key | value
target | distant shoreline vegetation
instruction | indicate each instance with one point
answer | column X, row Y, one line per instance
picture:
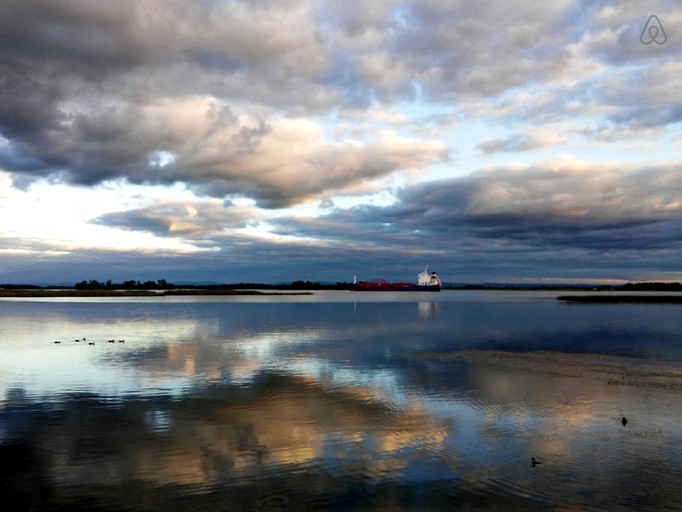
column 633, row 299
column 65, row 292
column 161, row 287
column 628, row 287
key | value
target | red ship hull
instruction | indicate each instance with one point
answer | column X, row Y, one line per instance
column 383, row 286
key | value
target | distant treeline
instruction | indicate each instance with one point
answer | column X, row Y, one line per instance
column 162, row 284
column 94, row 284
column 519, row 287
column 295, row 285
column 631, row 287
column 650, row 287
column 609, row 298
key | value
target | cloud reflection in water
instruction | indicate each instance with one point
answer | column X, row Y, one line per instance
column 328, row 407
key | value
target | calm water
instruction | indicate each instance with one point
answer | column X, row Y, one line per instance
column 319, row 403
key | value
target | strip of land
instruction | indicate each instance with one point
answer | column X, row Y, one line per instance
column 135, row 293
column 641, row 299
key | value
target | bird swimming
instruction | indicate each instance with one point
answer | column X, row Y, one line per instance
column 624, row 421
column 534, row 462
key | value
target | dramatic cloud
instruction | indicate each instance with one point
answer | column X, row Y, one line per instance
column 517, row 217
column 99, row 90
column 508, row 126
column 571, row 203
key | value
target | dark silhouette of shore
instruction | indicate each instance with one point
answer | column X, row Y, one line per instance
column 95, row 288
column 635, row 299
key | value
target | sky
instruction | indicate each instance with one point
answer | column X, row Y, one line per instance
column 276, row 140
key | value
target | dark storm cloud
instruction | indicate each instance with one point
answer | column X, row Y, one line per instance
column 229, row 258
column 577, row 204
column 573, row 216
column 564, row 220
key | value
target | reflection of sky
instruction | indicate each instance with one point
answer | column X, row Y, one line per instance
column 31, row 359
column 170, row 346
column 204, row 392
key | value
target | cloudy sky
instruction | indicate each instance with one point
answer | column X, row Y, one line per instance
column 274, row 140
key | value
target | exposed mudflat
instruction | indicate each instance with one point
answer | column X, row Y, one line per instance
column 613, row 370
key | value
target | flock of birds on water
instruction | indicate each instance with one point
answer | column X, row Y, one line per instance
column 78, row 340
column 534, row 462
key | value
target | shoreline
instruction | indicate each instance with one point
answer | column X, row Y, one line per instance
column 645, row 297
column 632, row 299
column 135, row 293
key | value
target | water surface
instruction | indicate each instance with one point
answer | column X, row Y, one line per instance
column 323, row 402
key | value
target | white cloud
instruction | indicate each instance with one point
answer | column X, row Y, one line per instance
column 59, row 217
